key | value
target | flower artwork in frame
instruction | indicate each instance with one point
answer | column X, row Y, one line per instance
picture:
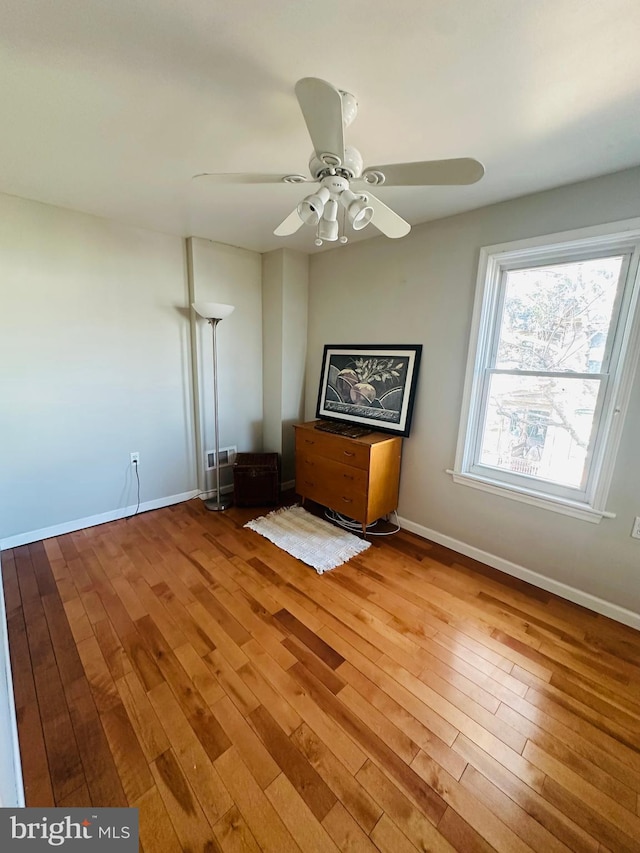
column 373, row 386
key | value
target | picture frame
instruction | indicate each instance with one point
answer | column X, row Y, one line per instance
column 370, row 385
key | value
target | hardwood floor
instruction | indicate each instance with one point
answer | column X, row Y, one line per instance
column 410, row 700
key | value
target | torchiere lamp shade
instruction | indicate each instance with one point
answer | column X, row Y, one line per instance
column 213, row 310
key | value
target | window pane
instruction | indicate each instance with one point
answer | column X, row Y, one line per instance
column 557, row 317
column 540, row 426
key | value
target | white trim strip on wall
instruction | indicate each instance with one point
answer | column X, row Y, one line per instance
column 591, row 602
column 92, row 520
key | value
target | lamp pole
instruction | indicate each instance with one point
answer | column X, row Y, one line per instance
column 213, row 312
column 219, row 504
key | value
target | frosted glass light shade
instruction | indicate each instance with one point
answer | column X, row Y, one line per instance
column 213, row 310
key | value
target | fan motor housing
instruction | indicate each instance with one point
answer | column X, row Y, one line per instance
column 328, row 164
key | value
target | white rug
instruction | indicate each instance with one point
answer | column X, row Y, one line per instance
column 309, row 538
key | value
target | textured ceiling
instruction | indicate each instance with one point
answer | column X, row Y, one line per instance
column 111, row 106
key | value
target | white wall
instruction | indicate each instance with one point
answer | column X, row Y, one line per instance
column 94, row 363
column 272, row 319
column 285, row 294
column 420, row 290
column 221, row 273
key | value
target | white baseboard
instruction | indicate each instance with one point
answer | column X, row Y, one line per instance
column 92, row 520
column 290, row 484
column 591, row 602
column 11, row 785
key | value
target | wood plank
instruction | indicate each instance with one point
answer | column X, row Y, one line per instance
column 388, row 838
column 312, row 641
column 299, row 819
column 191, row 756
column 482, row 819
column 234, row 686
column 403, row 697
column 148, row 729
column 261, row 817
column 515, row 817
column 458, row 711
column 461, row 835
column 133, row 768
column 293, row 763
column 424, row 796
column 35, row 768
column 420, row 831
column 11, row 587
column 346, row 833
column 291, row 693
column 589, row 818
column 189, row 822
column 288, row 719
column 204, row 724
column 205, row 681
column 65, row 766
column 404, row 721
column 103, row 687
column 157, row 834
column 397, row 740
column 619, row 789
column 528, row 796
column 103, row 779
column 233, row 834
column 601, row 802
column 243, row 737
column 350, row 792
column 317, row 667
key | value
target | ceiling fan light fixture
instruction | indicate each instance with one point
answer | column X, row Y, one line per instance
column 359, row 211
column 328, row 225
column 311, row 208
column 328, row 230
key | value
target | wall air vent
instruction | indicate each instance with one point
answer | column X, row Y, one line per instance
column 227, row 457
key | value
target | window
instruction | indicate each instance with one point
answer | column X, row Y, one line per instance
column 555, row 339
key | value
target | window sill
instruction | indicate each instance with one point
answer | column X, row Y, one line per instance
column 566, row 507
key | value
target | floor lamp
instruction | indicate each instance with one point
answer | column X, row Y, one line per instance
column 213, row 312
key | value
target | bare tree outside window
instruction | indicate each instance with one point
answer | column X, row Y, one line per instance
column 554, row 326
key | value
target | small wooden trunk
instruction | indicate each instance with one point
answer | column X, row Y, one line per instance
column 256, row 479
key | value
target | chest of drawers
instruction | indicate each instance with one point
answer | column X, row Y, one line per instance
column 358, row 477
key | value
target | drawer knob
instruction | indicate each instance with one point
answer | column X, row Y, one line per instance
column 309, row 483
column 347, row 500
column 348, row 453
column 348, row 476
column 309, row 441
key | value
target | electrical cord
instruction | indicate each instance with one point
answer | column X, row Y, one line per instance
column 135, row 462
column 355, row 526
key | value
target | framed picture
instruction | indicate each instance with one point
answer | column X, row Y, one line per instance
column 373, row 386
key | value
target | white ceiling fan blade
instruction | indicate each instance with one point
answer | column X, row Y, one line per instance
column 290, row 225
column 249, row 178
column 385, row 219
column 463, row 170
column 321, row 105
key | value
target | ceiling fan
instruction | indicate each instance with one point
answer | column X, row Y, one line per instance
column 343, row 181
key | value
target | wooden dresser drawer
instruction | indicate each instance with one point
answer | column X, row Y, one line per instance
column 333, row 447
column 332, row 484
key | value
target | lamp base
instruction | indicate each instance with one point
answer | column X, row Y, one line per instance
column 213, row 505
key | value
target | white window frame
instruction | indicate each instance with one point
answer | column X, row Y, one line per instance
column 588, row 503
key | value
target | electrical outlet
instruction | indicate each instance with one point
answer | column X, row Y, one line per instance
column 635, row 530
column 135, row 458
